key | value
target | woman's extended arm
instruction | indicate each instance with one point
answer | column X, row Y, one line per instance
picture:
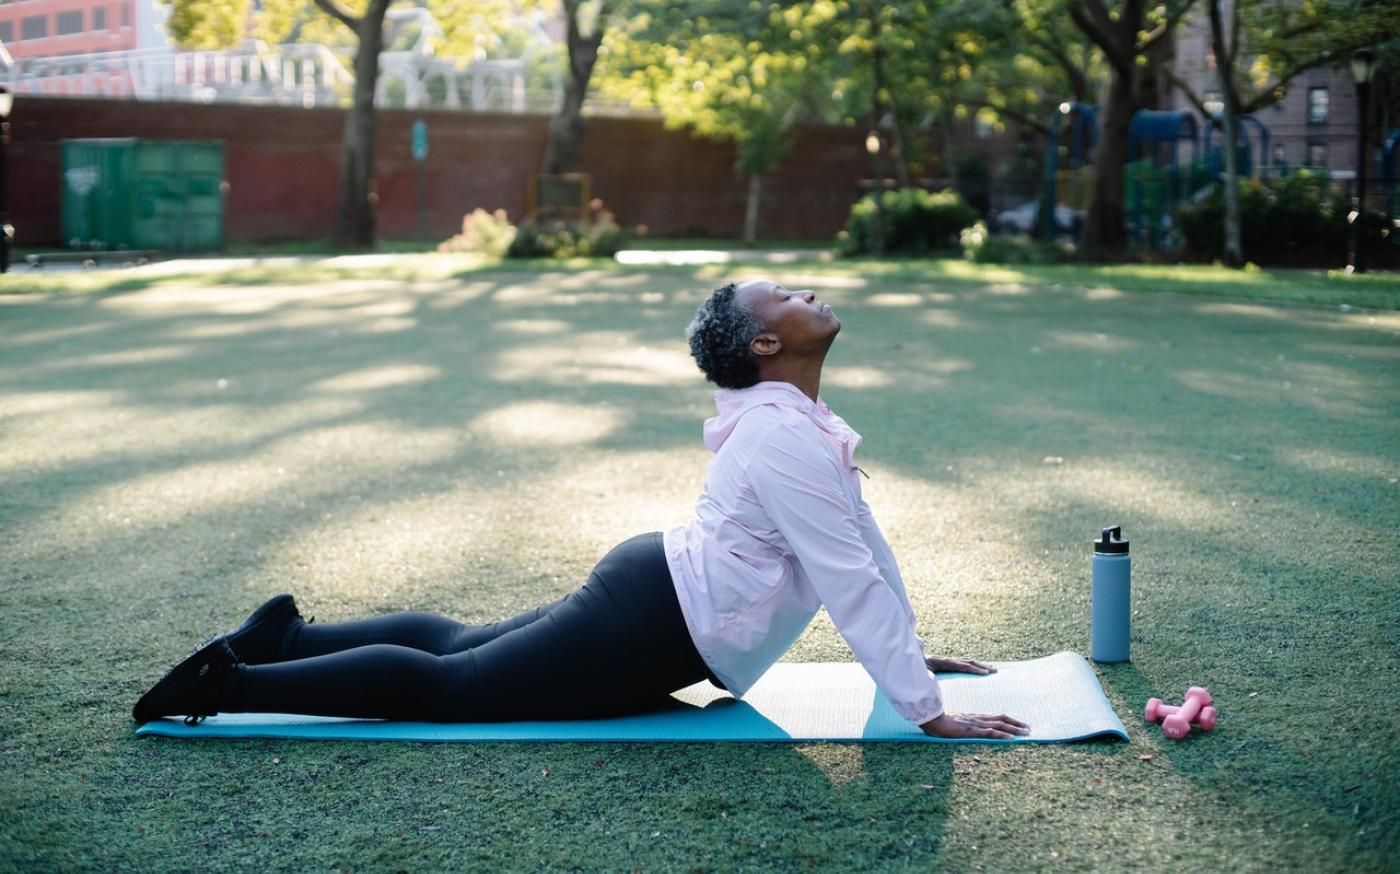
column 799, row 488
column 798, row 485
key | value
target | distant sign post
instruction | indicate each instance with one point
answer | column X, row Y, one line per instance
column 420, row 154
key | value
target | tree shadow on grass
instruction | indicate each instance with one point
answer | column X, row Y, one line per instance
column 517, row 422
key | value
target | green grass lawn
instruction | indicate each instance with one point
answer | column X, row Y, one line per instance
column 469, row 439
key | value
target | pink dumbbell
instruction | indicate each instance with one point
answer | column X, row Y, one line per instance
column 1196, row 708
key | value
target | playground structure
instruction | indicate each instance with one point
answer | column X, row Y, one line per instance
column 1389, row 186
column 1156, row 179
column 1173, row 158
column 1073, row 185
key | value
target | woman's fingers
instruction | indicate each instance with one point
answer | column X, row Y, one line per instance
column 961, row 666
column 1000, row 722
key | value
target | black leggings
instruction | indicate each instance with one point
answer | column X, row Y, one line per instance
column 618, row 645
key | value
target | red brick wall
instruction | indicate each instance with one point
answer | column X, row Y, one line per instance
column 282, row 166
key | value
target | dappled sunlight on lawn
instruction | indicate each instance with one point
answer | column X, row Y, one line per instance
column 597, row 357
column 378, row 377
column 1102, row 293
column 1007, row 289
column 1092, row 341
column 171, row 456
column 287, row 471
column 856, row 377
column 486, row 545
column 840, row 764
column 1330, row 460
column 1308, row 387
column 942, row 318
column 533, row 326
column 547, row 423
column 121, row 358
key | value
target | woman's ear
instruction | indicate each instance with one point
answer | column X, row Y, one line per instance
column 766, row 344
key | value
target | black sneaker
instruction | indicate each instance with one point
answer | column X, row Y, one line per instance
column 258, row 641
column 194, row 688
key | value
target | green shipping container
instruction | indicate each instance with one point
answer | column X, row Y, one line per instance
column 143, row 194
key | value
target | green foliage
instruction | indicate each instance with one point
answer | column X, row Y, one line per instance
column 597, row 236
column 486, row 233
column 911, row 220
column 470, row 29
column 1297, row 220
column 982, row 247
column 725, row 70
column 207, row 24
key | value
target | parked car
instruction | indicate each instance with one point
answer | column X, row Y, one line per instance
column 1022, row 219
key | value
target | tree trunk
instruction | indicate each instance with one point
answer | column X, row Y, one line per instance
column 1224, row 54
column 354, row 227
column 881, row 113
column 1105, row 226
column 561, row 151
column 751, row 209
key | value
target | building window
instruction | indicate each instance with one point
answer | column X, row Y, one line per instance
column 1317, row 105
column 99, row 18
column 65, row 23
column 126, row 15
column 7, row 31
column 1280, row 155
column 1213, row 102
column 1317, row 154
column 34, row 27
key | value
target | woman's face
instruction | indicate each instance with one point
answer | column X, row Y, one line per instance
column 800, row 322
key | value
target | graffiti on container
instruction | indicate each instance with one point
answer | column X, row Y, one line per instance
column 81, row 179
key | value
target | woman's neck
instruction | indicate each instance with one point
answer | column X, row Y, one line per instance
column 805, row 374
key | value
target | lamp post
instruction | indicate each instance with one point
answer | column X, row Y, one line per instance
column 872, row 148
column 1363, row 66
column 7, row 230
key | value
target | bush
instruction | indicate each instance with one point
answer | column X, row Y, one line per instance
column 981, row 247
column 914, row 222
column 598, row 236
column 489, row 233
column 1297, row 220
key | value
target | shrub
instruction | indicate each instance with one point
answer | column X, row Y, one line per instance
column 489, row 233
column 982, row 247
column 598, row 236
column 914, row 222
column 1297, row 220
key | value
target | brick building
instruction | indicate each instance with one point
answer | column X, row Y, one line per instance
column 39, row 31
column 1316, row 123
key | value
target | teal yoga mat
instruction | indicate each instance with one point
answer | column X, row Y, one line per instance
column 1058, row 695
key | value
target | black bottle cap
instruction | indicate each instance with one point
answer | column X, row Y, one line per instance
column 1111, row 542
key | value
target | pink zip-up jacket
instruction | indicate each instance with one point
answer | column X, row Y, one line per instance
column 780, row 531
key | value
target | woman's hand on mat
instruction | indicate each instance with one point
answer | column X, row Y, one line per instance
column 953, row 725
column 940, row 664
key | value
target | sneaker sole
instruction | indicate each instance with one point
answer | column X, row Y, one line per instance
column 194, row 665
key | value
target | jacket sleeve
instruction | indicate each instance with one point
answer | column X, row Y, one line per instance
column 799, row 485
column 884, row 559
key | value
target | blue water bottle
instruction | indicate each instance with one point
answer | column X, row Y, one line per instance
column 1111, row 613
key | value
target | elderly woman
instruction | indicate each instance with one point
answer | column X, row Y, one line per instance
column 780, row 531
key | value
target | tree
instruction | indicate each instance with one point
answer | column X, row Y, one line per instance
column 1125, row 31
column 354, row 24
column 1278, row 42
column 726, row 70
column 354, row 222
column 586, row 23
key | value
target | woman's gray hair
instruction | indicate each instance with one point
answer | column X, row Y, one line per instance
column 719, row 337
